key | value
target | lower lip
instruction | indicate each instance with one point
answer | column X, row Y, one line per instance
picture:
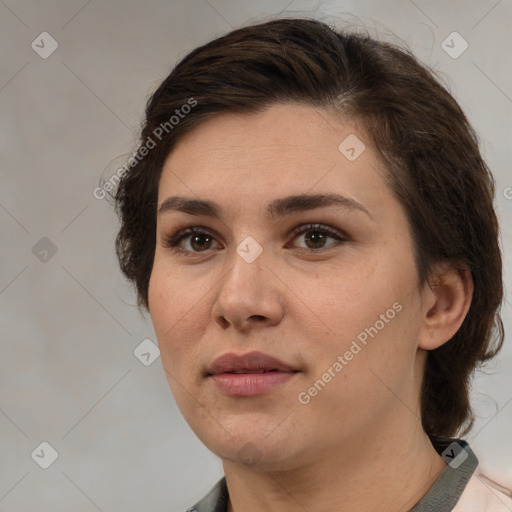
column 250, row 384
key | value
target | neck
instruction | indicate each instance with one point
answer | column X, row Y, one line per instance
column 389, row 469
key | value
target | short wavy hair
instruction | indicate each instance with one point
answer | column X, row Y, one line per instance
column 430, row 151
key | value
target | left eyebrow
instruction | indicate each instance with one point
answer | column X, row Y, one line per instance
column 276, row 209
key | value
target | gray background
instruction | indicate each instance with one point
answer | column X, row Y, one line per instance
column 69, row 325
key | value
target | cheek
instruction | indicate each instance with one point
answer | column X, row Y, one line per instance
column 171, row 297
column 167, row 312
column 352, row 299
column 161, row 302
column 178, row 309
column 369, row 375
column 371, row 314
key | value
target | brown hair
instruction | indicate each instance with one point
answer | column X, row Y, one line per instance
column 431, row 154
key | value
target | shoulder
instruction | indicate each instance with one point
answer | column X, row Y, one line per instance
column 482, row 495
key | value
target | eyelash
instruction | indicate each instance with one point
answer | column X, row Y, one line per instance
column 172, row 241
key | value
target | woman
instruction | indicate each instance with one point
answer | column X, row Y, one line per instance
column 310, row 224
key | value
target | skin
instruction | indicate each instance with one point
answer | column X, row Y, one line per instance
column 358, row 444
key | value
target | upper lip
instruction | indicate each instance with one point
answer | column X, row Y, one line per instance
column 245, row 363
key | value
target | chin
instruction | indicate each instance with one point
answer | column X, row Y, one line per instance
column 244, row 443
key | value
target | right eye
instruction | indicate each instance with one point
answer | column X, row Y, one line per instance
column 198, row 238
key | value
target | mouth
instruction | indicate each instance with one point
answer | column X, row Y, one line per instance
column 252, row 371
column 249, row 374
column 251, row 362
column 251, row 384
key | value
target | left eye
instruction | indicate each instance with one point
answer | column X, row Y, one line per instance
column 316, row 235
column 200, row 240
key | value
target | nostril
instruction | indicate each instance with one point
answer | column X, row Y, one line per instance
column 224, row 323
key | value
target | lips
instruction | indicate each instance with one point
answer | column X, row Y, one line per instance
column 250, row 375
column 252, row 362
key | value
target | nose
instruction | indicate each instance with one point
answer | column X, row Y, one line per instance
column 250, row 295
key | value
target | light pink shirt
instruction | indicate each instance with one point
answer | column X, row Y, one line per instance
column 482, row 495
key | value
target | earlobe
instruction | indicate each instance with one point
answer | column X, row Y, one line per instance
column 446, row 302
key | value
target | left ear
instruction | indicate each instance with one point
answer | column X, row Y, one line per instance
column 445, row 302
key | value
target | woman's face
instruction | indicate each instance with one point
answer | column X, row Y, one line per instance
column 340, row 309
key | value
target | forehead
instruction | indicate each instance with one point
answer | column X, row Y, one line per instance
column 285, row 149
column 291, row 129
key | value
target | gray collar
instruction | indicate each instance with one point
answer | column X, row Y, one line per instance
column 450, row 484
